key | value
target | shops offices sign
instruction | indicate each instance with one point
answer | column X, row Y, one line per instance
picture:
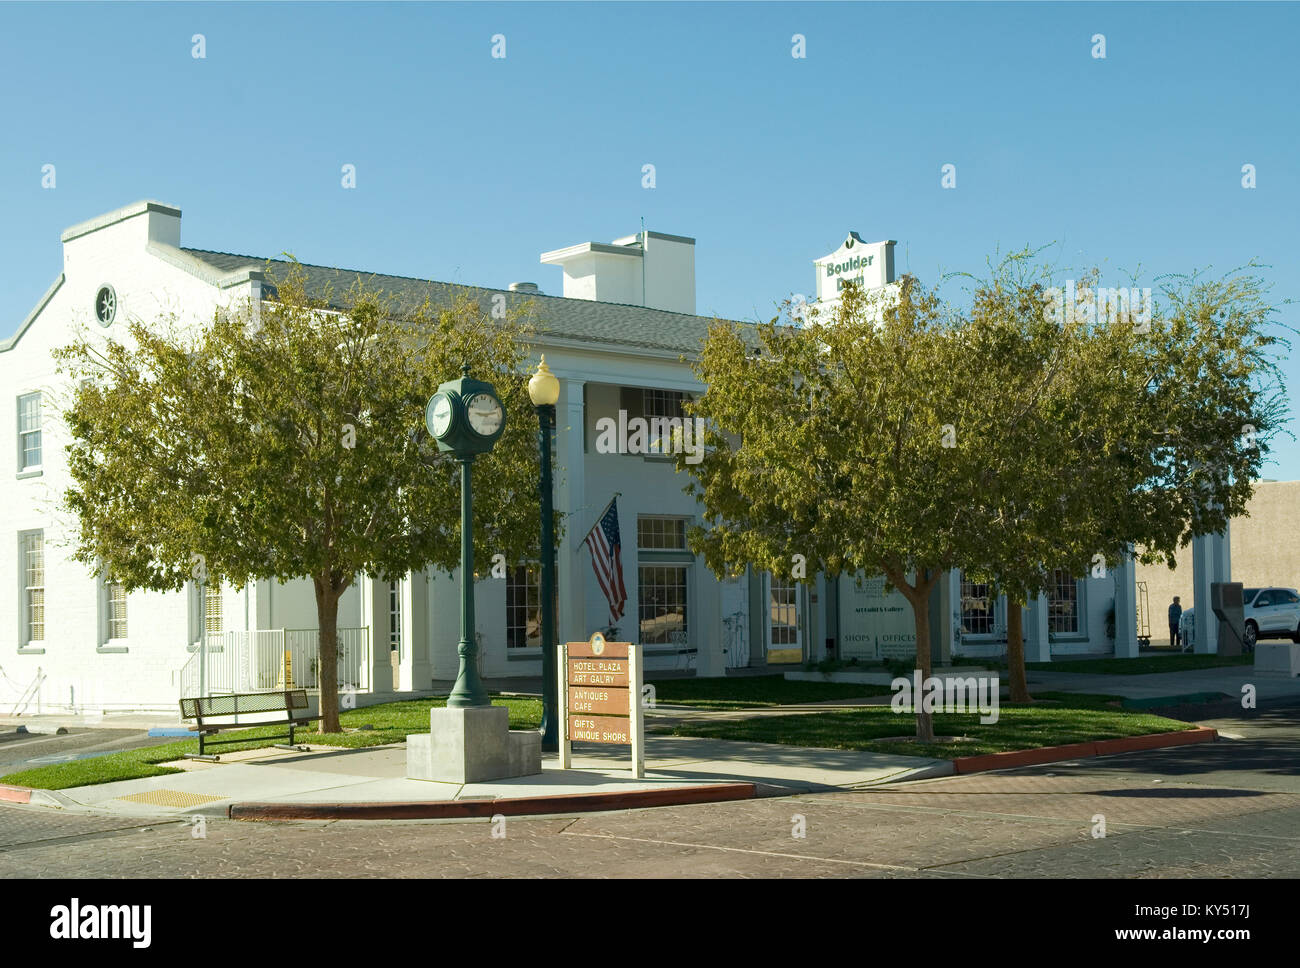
column 875, row 623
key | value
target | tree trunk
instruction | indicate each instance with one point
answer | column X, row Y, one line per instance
column 1016, row 651
column 921, row 614
column 327, row 670
column 918, row 597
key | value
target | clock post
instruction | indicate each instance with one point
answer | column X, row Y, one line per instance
column 469, row 740
column 468, row 690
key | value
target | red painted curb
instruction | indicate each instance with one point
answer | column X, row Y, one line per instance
column 15, row 794
column 508, row 806
column 1074, row 751
column 1002, row 761
column 1155, row 741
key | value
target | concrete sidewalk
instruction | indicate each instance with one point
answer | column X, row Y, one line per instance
column 376, row 775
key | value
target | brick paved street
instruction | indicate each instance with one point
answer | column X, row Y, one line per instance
column 1229, row 809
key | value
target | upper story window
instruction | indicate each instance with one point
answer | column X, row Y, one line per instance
column 655, row 533
column 663, row 403
column 106, row 305
column 29, row 431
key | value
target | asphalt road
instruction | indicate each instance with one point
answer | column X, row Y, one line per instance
column 1230, row 809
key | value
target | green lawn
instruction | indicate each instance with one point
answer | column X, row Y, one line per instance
column 755, row 692
column 1143, row 665
column 1055, row 720
column 391, row 721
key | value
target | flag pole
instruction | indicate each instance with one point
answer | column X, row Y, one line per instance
column 600, row 517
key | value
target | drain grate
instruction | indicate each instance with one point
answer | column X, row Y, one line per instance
column 170, row 798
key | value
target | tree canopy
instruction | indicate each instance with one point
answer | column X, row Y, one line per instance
column 285, row 440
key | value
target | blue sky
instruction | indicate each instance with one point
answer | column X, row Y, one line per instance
column 469, row 167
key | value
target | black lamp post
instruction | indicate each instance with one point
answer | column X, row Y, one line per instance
column 544, row 390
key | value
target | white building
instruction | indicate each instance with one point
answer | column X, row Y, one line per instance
column 615, row 339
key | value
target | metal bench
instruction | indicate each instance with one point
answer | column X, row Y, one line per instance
column 204, row 708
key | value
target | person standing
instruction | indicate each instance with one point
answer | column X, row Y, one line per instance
column 1175, row 617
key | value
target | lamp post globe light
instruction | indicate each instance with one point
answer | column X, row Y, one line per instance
column 544, row 391
column 466, row 417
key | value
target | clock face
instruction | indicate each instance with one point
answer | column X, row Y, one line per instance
column 485, row 414
column 440, row 414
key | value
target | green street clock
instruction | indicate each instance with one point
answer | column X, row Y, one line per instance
column 465, row 416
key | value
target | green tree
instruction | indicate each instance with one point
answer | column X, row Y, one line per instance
column 285, row 441
column 854, row 441
column 1146, row 425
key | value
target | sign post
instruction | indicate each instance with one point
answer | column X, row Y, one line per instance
column 600, row 698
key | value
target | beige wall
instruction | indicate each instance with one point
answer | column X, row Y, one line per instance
column 1265, row 548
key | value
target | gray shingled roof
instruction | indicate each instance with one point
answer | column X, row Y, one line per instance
column 577, row 319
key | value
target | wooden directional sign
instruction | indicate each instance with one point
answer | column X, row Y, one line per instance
column 600, row 698
column 594, row 701
column 600, row 729
column 598, row 672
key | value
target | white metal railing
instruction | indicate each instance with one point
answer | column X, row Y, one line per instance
column 30, row 693
column 303, row 648
column 273, row 659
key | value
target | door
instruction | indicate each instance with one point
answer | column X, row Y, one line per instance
column 1266, row 610
column 784, row 621
column 735, row 622
column 1288, row 606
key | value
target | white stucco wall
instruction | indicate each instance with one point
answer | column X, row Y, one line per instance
column 81, row 671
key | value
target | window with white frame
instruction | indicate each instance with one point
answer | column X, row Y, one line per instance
column 784, row 611
column 213, row 618
column 523, row 606
column 1063, row 604
column 29, row 431
column 114, row 609
column 663, row 403
column 395, row 617
column 662, row 603
column 31, row 558
column 977, row 608
column 660, row 533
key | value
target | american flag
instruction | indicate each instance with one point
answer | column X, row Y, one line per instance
column 604, row 542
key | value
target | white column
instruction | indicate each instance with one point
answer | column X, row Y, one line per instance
column 374, row 619
column 1038, row 646
column 706, row 633
column 1126, row 643
column 417, row 670
column 570, row 499
column 1208, row 558
column 1211, row 562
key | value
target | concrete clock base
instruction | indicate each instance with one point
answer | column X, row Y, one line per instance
column 472, row 744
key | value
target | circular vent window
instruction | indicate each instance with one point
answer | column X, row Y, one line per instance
column 105, row 305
